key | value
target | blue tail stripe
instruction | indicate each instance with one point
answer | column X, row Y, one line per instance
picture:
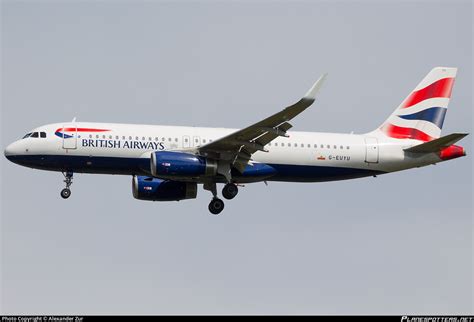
column 434, row 115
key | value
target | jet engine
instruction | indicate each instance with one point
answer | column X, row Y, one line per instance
column 179, row 164
column 146, row 188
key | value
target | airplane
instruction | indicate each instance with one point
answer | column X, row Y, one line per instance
column 168, row 162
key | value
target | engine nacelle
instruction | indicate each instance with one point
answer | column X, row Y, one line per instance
column 146, row 188
column 179, row 164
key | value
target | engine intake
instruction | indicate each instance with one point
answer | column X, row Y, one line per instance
column 179, row 164
column 146, row 188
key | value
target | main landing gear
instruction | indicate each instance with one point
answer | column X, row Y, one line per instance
column 216, row 205
column 66, row 192
column 229, row 191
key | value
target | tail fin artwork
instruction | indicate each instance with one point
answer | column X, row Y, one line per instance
column 421, row 115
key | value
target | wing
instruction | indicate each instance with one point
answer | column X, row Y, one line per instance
column 238, row 147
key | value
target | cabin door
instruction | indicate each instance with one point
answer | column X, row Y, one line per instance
column 69, row 135
column 371, row 150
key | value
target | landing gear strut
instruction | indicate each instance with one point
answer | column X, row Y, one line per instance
column 230, row 190
column 216, row 205
column 66, row 192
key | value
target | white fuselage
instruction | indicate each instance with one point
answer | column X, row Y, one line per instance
column 126, row 149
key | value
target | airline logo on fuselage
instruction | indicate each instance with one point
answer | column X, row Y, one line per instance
column 117, row 144
column 69, row 132
column 61, row 132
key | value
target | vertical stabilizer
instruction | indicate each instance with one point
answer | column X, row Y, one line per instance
column 421, row 115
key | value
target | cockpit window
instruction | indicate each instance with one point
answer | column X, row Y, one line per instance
column 35, row 135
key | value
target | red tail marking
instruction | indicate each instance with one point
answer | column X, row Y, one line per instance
column 440, row 88
column 405, row 133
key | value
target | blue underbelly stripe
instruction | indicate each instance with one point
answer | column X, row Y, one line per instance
column 302, row 173
column 140, row 166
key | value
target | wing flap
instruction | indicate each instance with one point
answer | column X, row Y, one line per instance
column 274, row 133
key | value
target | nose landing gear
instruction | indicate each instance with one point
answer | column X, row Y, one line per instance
column 66, row 192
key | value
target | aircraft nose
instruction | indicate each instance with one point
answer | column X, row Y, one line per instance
column 12, row 150
column 8, row 151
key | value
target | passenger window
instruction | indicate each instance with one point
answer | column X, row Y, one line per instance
column 34, row 135
column 110, row 137
column 328, row 146
column 341, row 147
column 322, row 146
column 149, row 138
column 315, row 146
column 123, row 137
column 186, row 140
column 97, row 136
column 43, row 134
column 347, row 147
column 203, row 140
column 309, row 145
column 335, row 147
column 302, row 145
column 176, row 139
column 130, row 138
column 103, row 136
column 296, row 145
column 289, row 144
column 90, row 136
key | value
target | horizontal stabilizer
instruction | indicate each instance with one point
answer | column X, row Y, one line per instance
column 437, row 144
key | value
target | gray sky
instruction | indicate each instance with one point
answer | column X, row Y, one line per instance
column 399, row 243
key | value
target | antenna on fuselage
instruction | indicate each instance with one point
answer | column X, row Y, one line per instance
column 73, row 120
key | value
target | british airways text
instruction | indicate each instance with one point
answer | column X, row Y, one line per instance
column 115, row 144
